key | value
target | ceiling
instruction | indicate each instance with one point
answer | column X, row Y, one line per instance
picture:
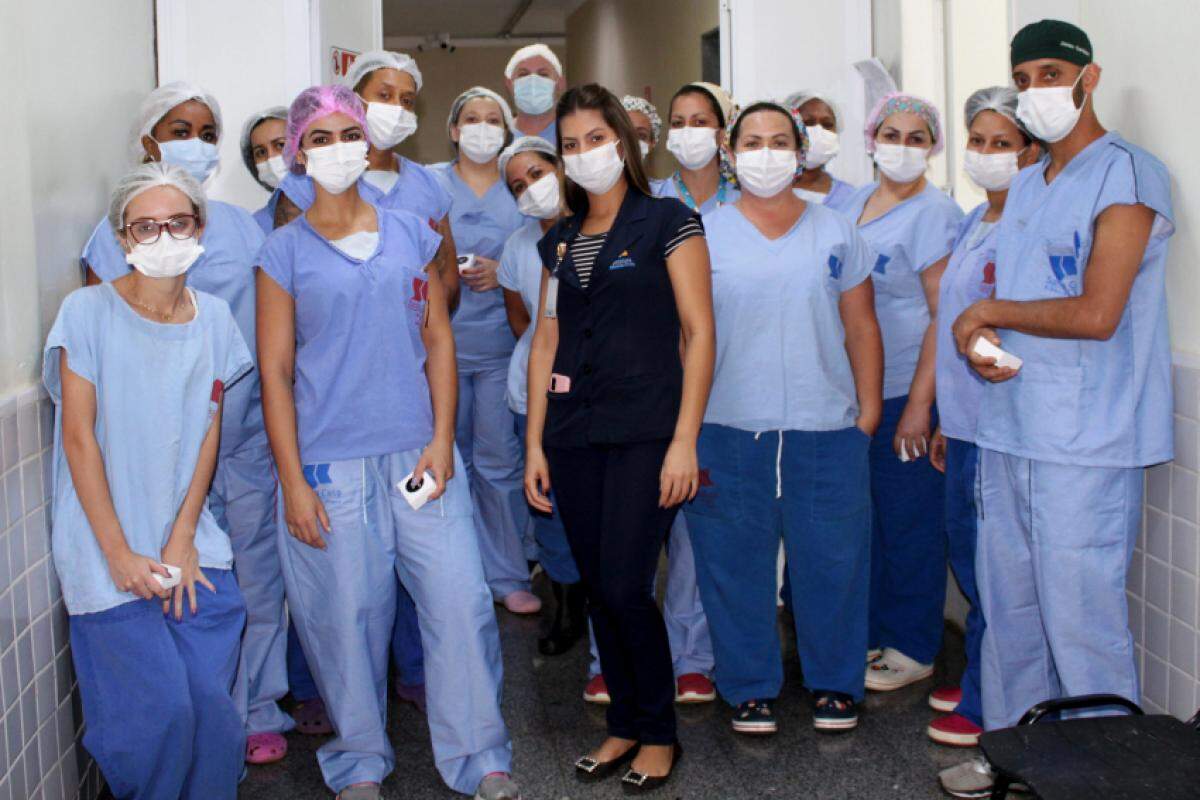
column 474, row 19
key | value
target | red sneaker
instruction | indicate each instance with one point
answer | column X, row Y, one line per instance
column 945, row 698
column 954, row 730
column 596, row 691
column 694, row 688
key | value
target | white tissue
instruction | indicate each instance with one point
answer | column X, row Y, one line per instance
column 465, row 262
column 419, row 496
column 172, row 581
column 1003, row 358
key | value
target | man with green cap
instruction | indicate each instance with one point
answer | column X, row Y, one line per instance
column 1064, row 438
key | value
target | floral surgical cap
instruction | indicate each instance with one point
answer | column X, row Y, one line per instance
column 900, row 103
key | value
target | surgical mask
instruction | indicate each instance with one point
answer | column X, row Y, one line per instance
column 389, row 125
column 165, row 258
column 337, row 166
column 992, row 172
column 822, row 146
column 901, row 164
column 692, row 147
column 198, row 157
column 766, row 172
column 480, row 141
column 541, row 198
column 1049, row 112
column 645, row 148
column 272, row 171
column 534, row 94
column 597, row 170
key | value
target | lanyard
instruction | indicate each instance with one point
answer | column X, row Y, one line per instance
column 685, row 194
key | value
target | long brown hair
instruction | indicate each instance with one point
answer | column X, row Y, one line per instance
column 594, row 97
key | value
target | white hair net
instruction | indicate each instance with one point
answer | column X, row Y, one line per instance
column 532, row 51
column 146, row 177
column 526, row 144
column 632, row 102
column 797, row 99
column 372, row 60
column 274, row 112
column 470, row 94
column 1001, row 99
column 159, row 102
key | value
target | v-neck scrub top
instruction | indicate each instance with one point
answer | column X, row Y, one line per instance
column 415, row 190
column 157, row 388
column 360, row 386
column 909, row 239
column 781, row 348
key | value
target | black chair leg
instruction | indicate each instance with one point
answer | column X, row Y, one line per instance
column 1000, row 787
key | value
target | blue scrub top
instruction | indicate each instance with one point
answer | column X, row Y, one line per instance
column 360, row 387
column 265, row 216
column 667, row 188
column 231, row 239
column 157, row 389
column 781, row 348
column 840, row 194
column 970, row 276
column 416, row 191
column 521, row 272
column 549, row 133
column 481, row 225
column 909, row 239
column 1084, row 402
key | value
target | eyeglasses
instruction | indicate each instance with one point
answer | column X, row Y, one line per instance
column 147, row 231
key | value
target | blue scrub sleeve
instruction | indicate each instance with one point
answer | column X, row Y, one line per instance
column 72, row 332
column 859, row 258
column 299, row 189
column 276, row 258
column 424, row 238
column 1138, row 180
column 238, row 362
column 103, row 254
column 933, row 237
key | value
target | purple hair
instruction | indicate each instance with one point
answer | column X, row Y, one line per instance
column 314, row 103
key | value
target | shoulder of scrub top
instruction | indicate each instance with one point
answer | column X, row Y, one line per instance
column 428, row 176
column 520, row 244
column 228, row 219
column 968, row 223
column 1150, row 179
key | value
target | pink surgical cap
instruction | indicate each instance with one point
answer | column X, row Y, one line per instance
column 317, row 102
column 900, row 103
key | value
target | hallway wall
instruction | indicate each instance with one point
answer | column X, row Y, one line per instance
column 640, row 48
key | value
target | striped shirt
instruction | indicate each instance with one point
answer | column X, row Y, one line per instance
column 586, row 247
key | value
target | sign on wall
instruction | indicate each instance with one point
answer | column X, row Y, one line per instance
column 341, row 60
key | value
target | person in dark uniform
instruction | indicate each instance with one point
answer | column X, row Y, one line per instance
column 614, row 410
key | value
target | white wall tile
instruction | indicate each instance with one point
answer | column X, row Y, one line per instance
column 1184, row 487
column 1187, row 443
column 1184, row 539
column 1181, row 694
column 1158, row 487
column 1154, row 682
column 1158, row 535
column 1135, row 580
column 1187, row 392
column 1158, row 584
column 1183, row 648
column 1158, row 633
column 1183, row 598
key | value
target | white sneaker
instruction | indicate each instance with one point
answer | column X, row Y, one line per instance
column 972, row 778
column 894, row 670
column 873, row 654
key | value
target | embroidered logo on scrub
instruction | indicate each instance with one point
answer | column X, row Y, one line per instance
column 623, row 261
column 1064, row 263
column 317, row 474
column 706, row 479
column 881, row 263
column 214, row 399
column 987, row 283
column 835, row 267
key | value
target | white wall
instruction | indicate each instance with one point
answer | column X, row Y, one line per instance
column 276, row 49
column 71, row 84
column 779, row 46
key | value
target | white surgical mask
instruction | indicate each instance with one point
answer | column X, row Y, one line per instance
column 900, row 163
column 165, row 258
column 534, row 94
column 1049, row 111
column 480, row 141
column 692, row 147
column 597, row 170
column 541, row 198
column 822, row 146
column 389, row 125
column 992, row 172
column 272, row 171
column 337, row 166
column 644, row 147
column 766, row 172
column 198, row 157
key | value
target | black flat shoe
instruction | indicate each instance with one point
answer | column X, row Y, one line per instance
column 589, row 770
column 637, row 783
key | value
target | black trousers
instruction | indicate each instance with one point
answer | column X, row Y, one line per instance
column 608, row 497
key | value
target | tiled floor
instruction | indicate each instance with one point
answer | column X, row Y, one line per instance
column 888, row 756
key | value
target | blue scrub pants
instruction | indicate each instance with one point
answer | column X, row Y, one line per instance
column 158, row 709
column 1055, row 543
column 962, row 459
column 810, row 489
column 496, row 469
column 908, row 546
column 553, row 552
column 301, row 683
column 242, row 500
column 343, row 601
column 683, row 613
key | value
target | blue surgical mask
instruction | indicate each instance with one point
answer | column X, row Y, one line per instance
column 534, row 94
column 196, row 156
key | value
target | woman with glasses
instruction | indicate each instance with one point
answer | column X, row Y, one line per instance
column 134, row 537
column 180, row 124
